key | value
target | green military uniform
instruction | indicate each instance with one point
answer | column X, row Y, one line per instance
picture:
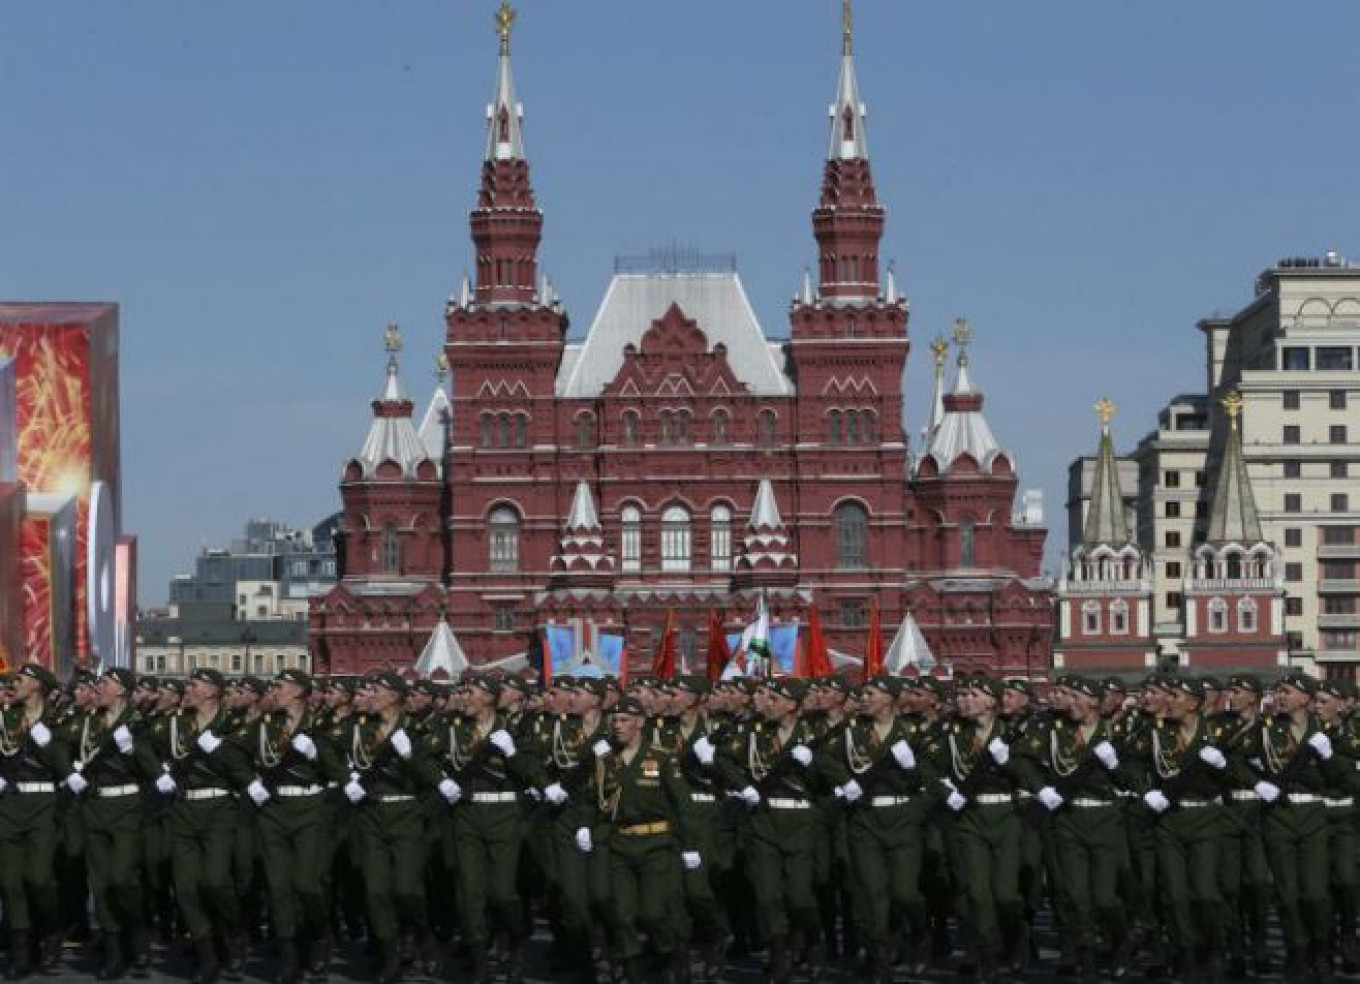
column 640, row 804
column 774, row 773
column 34, row 759
column 889, row 790
column 486, row 833
column 984, row 833
column 294, row 765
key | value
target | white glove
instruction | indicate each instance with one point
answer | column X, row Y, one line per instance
column 209, row 742
column 257, row 793
column 503, row 742
column 956, row 801
column 1268, row 791
column 903, row 754
column 76, row 783
column 601, row 748
column 802, row 754
column 123, row 739
column 3, row 785
column 450, row 790
column 704, row 751
column 354, row 790
column 40, row 734
column 583, row 842
column 692, row 860
column 555, row 794
column 1050, row 797
column 1156, row 801
column 401, row 741
column 851, row 791
column 1321, row 744
column 304, row 746
column 750, row 796
column 1213, row 757
column 1001, row 752
column 166, row 784
column 1107, row 755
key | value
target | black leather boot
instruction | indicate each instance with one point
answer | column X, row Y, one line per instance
column 114, row 966
column 20, row 955
column 209, row 970
column 290, row 965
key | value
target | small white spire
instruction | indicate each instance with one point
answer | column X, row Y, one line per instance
column 583, row 515
column 890, row 293
column 848, row 140
column 465, row 292
column 765, row 513
column 505, row 115
column 805, row 294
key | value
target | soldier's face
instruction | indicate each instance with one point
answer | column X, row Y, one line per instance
column 1329, row 708
column 1013, row 701
column 110, row 691
column 876, row 701
column 1290, row 699
column 625, row 728
column 22, row 688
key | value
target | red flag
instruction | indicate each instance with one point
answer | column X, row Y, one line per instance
column 816, row 658
column 873, row 649
column 547, row 669
column 718, row 653
column 663, row 663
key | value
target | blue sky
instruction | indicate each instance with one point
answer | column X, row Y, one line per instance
column 263, row 186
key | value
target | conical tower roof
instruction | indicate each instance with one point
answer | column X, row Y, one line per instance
column 392, row 436
column 1233, row 517
column 1106, row 521
column 442, row 655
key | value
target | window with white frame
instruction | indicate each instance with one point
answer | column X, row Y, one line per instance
column 675, row 539
column 504, row 541
column 720, row 540
column 1218, row 615
column 631, row 541
column 1090, row 617
column 1246, row 615
column 1119, row 617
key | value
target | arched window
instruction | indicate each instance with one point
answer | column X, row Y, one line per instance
column 966, row 540
column 851, row 427
column 720, row 425
column 835, row 427
column 585, row 431
column 1233, row 567
column 852, row 535
column 488, row 430
column 848, row 128
column 675, row 539
column 667, row 428
column 1218, row 615
column 868, row 426
column 504, row 540
column 631, row 520
column 632, row 428
column 521, row 430
column 768, row 428
column 1246, row 615
column 720, row 540
column 391, row 549
column 1119, row 617
column 1090, row 617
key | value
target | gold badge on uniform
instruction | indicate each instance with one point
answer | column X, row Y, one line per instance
column 651, row 769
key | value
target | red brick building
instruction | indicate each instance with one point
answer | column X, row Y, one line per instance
column 677, row 459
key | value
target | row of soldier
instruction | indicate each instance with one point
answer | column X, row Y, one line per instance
column 656, row 824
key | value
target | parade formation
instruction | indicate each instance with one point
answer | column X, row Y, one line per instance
column 656, row 828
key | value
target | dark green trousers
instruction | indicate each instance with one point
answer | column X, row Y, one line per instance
column 1090, row 848
column 483, row 846
column 1342, row 864
column 390, row 840
column 781, row 854
column 202, row 839
column 1295, row 837
column 1189, row 843
column 28, row 847
column 292, row 834
column 644, row 873
column 887, row 845
column 113, row 848
column 987, row 850
column 1245, row 877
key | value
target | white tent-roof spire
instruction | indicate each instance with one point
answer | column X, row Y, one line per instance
column 848, row 138
column 505, row 115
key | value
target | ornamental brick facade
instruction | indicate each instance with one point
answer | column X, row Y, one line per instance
column 675, row 459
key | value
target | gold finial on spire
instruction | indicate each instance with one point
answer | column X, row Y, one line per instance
column 441, row 366
column 505, row 23
column 1105, row 409
column 392, row 339
column 963, row 335
column 848, row 17
column 940, row 349
column 1232, row 404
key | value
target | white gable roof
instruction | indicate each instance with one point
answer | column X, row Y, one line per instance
column 717, row 302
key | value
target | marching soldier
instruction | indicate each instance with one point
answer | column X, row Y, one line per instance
column 1333, row 705
column 294, row 761
column 639, row 793
column 771, row 767
column 878, row 764
column 34, row 759
column 205, row 768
